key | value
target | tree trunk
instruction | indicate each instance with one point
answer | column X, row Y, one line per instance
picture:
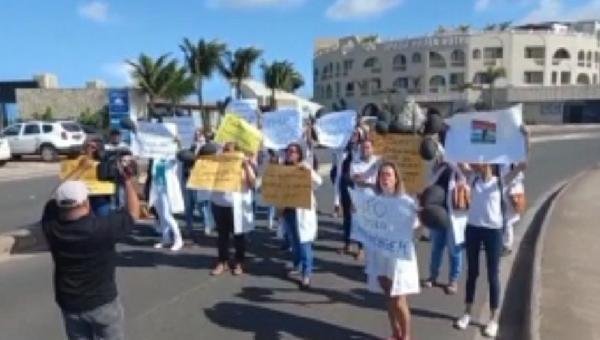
column 273, row 99
column 205, row 115
column 238, row 89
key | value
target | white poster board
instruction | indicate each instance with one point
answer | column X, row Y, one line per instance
column 280, row 128
column 155, row 140
column 335, row 129
column 486, row 137
column 186, row 128
column 245, row 108
column 384, row 223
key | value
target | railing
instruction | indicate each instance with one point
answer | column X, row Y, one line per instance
column 539, row 61
column 437, row 64
column 400, row 68
column 458, row 63
column 489, row 62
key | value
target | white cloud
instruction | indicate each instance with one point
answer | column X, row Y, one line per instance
column 95, row 10
column 118, row 72
column 252, row 3
column 482, row 5
column 359, row 9
column 548, row 10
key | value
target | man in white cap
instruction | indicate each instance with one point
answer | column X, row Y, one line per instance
column 83, row 250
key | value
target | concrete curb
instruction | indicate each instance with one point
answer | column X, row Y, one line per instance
column 23, row 240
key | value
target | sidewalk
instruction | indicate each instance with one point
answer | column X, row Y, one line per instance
column 570, row 274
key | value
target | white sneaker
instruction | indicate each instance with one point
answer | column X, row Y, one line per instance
column 159, row 245
column 463, row 322
column 491, row 329
column 177, row 245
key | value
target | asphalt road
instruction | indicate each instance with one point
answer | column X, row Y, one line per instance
column 171, row 296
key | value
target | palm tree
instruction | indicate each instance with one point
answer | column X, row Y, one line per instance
column 491, row 75
column 281, row 75
column 153, row 76
column 183, row 85
column 202, row 59
column 238, row 66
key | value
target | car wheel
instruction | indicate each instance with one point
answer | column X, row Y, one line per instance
column 2, row 163
column 48, row 153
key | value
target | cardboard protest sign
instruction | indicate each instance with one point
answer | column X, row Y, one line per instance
column 88, row 176
column 404, row 151
column 222, row 173
column 155, row 140
column 244, row 108
column 384, row 223
column 280, row 128
column 335, row 129
column 287, row 186
column 186, row 128
column 236, row 129
column 486, row 137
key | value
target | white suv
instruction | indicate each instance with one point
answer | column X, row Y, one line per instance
column 4, row 151
column 47, row 139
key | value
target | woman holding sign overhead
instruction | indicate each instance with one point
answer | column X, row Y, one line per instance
column 397, row 277
column 301, row 224
column 233, row 214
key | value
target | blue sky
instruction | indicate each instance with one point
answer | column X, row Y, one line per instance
column 90, row 39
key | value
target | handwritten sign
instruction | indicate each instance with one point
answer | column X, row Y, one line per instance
column 222, row 173
column 245, row 108
column 88, row 176
column 384, row 223
column 335, row 129
column 404, row 151
column 155, row 140
column 486, row 137
column 281, row 127
column 287, row 186
column 186, row 128
column 236, row 129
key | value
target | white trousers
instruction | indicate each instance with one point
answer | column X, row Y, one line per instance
column 166, row 220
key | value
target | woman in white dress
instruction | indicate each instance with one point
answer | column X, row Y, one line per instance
column 396, row 277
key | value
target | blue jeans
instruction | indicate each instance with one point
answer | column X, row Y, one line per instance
column 440, row 239
column 191, row 203
column 491, row 239
column 101, row 205
column 302, row 253
column 105, row 322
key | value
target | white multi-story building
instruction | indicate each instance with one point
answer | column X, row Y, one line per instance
column 552, row 68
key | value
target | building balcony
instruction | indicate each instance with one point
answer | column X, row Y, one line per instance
column 458, row 63
column 539, row 61
column 376, row 70
column 489, row 62
column 557, row 61
column 437, row 64
column 400, row 68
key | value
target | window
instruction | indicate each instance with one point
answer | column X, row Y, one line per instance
column 31, row 129
column 371, row 62
column 535, row 52
column 337, row 69
column 596, row 57
column 595, row 79
column 565, row 78
column 12, row 130
column 480, row 78
column 534, row 77
column 348, row 63
column 589, row 59
column 457, row 58
column 436, row 60
column 476, row 54
column 401, row 83
column 583, row 79
column 416, row 58
column 457, row 79
column 350, row 89
column 399, row 62
column 363, row 85
column 554, row 78
column 561, row 53
column 329, row 92
column 581, row 58
column 316, row 74
column 47, row 128
column 71, row 127
column 375, row 86
column 493, row 53
column 338, row 89
column 436, row 82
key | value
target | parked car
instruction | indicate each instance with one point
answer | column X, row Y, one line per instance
column 47, row 139
column 4, row 151
column 93, row 133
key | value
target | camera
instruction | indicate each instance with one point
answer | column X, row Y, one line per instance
column 110, row 160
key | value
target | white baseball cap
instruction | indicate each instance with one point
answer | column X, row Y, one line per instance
column 71, row 194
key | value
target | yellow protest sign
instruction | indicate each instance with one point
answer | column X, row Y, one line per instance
column 287, row 186
column 72, row 169
column 404, row 151
column 217, row 173
column 235, row 129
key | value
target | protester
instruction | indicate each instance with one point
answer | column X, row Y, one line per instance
column 343, row 182
column 115, row 141
column 83, row 249
column 396, row 277
column 446, row 176
column 363, row 172
column 167, row 200
column 100, row 204
column 194, row 199
column 234, row 214
column 486, row 221
column 301, row 224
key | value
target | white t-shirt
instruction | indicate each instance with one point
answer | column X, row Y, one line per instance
column 366, row 168
column 485, row 210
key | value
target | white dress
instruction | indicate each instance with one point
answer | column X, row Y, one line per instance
column 404, row 273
